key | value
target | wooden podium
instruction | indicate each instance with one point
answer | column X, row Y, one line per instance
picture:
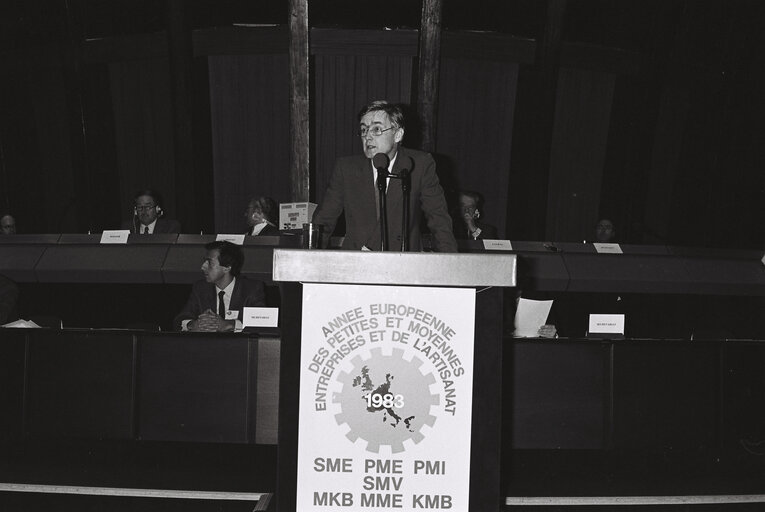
column 487, row 274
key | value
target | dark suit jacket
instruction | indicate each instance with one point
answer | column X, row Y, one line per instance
column 269, row 230
column 352, row 189
column 163, row 225
column 488, row 232
column 247, row 293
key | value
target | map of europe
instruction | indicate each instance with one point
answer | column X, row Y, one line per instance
column 389, row 415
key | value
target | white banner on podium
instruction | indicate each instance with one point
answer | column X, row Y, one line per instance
column 386, row 390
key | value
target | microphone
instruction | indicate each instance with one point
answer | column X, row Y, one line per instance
column 381, row 162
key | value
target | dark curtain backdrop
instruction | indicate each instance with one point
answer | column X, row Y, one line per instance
column 623, row 193
column 143, row 126
column 719, row 191
column 249, row 108
column 39, row 182
column 580, row 138
column 475, row 125
column 342, row 86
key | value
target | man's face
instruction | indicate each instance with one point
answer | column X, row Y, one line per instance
column 253, row 214
column 467, row 207
column 8, row 225
column 387, row 142
column 604, row 231
column 212, row 268
column 146, row 209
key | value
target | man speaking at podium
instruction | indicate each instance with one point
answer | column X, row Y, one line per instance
column 352, row 188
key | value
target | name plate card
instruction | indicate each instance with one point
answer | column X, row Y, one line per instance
column 260, row 317
column 234, row 239
column 115, row 236
column 497, row 245
column 606, row 324
column 386, row 389
column 607, row 248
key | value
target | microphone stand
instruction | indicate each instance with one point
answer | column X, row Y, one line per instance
column 382, row 175
column 406, row 183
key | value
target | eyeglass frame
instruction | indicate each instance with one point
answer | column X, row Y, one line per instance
column 364, row 131
column 143, row 208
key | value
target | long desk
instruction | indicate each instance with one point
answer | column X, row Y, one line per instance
column 542, row 266
column 72, row 399
column 133, row 385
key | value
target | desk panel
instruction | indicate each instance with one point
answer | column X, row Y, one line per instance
column 726, row 277
column 197, row 387
column 560, row 394
column 626, row 273
column 89, row 263
column 20, row 253
column 184, row 259
column 12, row 366
column 80, row 384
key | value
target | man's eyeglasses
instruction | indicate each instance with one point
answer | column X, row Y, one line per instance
column 375, row 131
column 145, row 208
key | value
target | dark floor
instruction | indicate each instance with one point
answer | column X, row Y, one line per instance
column 252, row 468
column 151, row 465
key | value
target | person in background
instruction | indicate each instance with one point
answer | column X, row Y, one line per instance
column 7, row 225
column 217, row 302
column 352, row 188
column 605, row 232
column 148, row 215
column 261, row 216
column 468, row 226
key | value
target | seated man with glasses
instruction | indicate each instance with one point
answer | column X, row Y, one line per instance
column 148, row 215
column 217, row 302
column 352, row 189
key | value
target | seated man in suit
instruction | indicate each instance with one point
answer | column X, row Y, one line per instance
column 148, row 215
column 467, row 226
column 605, row 231
column 217, row 302
column 7, row 225
column 261, row 217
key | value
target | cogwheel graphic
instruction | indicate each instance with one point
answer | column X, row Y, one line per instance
column 383, row 374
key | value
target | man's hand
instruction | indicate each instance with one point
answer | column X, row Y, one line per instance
column 548, row 331
column 469, row 219
column 209, row 321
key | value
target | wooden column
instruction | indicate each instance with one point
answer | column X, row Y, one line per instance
column 181, row 55
column 429, row 54
column 299, row 101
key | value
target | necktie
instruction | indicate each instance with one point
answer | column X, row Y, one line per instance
column 146, row 230
column 221, row 305
column 377, row 195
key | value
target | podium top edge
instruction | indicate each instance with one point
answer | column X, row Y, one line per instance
column 394, row 268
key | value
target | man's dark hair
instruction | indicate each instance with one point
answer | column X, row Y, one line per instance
column 229, row 255
column 155, row 196
column 475, row 196
column 267, row 206
column 395, row 112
